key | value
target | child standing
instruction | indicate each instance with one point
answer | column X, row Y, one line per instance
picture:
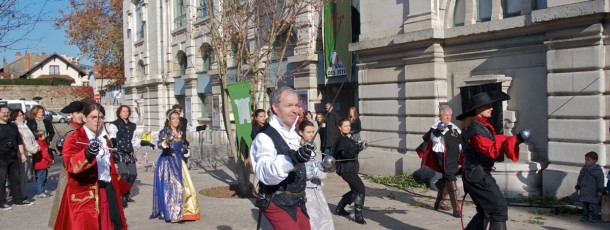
column 41, row 163
column 319, row 213
column 590, row 186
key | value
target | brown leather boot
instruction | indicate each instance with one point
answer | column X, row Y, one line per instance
column 440, row 185
column 452, row 190
column 441, row 196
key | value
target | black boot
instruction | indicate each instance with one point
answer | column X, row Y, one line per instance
column 359, row 204
column 497, row 226
column 347, row 199
column 477, row 223
column 124, row 201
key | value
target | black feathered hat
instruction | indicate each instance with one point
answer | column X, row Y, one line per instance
column 75, row 106
column 481, row 99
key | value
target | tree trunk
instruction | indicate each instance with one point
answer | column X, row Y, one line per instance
column 242, row 173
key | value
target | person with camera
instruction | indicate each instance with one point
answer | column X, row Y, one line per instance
column 91, row 199
column 482, row 146
column 441, row 151
column 11, row 152
column 346, row 151
column 278, row 159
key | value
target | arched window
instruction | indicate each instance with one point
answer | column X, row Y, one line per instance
column 207, row 56
column 484, row 10
column 459, row 13
column 511, row 8
column 183, row 64
column 140, row 70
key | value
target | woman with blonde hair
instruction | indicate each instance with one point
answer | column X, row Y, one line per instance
column 354, row 119
column 36, row 121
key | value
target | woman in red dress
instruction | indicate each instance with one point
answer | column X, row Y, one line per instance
column 92, row 197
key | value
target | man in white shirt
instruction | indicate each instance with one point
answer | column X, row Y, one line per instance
column 278, row 163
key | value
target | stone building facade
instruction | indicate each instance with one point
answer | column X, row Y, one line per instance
column 549, row 56
column 168, row 60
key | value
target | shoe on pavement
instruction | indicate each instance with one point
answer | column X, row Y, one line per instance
column 6, row 207
column 25, row 203
column 43, row 195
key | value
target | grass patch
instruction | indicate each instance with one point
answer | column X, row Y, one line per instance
column 404, row 181
column 539, row 220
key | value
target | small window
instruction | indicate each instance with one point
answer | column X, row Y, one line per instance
column 539, row 4
column 54, row 70
column 511, row 8
column 484, row 10
column 459, row 13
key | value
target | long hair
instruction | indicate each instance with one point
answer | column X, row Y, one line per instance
column 169, row 116
column 466, row 123
column 255, row 114
column 34, row 111
column 355, row 116
column 340, row 123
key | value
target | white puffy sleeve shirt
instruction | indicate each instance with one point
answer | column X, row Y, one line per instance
column 268, row 166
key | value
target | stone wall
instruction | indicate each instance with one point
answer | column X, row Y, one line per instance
column 51, row 97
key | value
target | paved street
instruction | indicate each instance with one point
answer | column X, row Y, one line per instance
column 385, row 207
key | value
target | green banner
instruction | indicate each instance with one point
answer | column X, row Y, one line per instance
column 240, row 102
column 337, row 36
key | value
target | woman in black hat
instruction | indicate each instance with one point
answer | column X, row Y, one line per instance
column 481, row 147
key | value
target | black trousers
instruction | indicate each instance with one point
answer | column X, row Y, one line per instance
column 488, row 198
column 353, row 180
column 10, row 167
column 128, row 171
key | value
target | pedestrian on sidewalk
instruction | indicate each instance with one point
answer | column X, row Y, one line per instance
column 441, row 151
column 11, row 152
column 590, row 187
column 30, row 145
column 92, row 198
column 320, row 217
column 42, row 160
column 346, row 152
column 482, row 147
column 278, row 162
column 174, row 196
column 75, row 109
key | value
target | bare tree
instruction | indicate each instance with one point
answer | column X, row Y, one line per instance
column 18, row 20
column 247, row 37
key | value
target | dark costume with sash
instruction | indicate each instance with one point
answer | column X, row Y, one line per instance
column 289, row 194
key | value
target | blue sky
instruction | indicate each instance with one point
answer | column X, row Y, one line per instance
column 44, row 37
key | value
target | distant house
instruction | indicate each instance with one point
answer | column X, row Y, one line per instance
column 33, row 66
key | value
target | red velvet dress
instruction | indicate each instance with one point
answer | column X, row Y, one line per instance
column 84, row 205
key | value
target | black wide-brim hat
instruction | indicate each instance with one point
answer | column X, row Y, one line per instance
column 75, row 106
column 481, row 99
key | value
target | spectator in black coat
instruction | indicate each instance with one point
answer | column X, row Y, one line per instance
column 331, row 132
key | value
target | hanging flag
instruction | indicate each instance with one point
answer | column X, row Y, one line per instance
column 337, row 36
column 240, row 102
